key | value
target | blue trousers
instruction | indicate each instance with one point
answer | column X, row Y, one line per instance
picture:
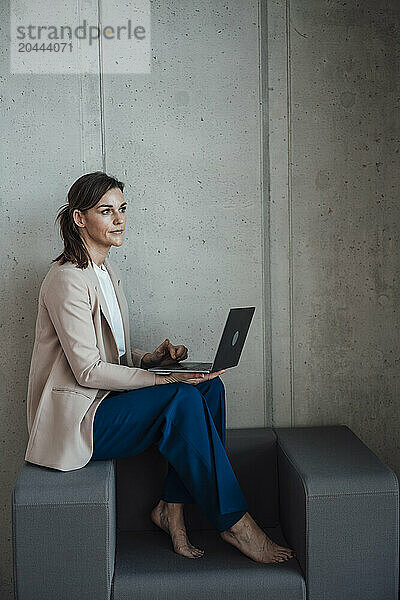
column 187, row 423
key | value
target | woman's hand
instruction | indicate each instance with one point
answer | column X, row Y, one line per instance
column 191, row 378
column 166, row 354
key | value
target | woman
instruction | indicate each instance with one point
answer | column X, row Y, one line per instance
column 90, row 396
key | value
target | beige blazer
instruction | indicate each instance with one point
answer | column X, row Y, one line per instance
column 75, row 364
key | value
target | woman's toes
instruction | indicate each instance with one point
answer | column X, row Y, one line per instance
column 286, row 551
column 281, row 556
column 184, row 547
column 197, row 551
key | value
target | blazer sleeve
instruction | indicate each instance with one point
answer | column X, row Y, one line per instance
column 67, row 301
column 137, row 356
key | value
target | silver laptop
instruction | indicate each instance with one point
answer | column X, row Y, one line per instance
column 229, row 349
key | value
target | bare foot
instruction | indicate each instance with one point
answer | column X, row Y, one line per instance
column 247, row 536
column 169, row 517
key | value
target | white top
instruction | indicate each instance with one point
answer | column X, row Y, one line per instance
column 112, row 303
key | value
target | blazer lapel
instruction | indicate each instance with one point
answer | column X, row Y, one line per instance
column 104, row 307
column 123, row 307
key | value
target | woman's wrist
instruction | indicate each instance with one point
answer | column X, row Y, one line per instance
column 160, row 379
column 145, row 362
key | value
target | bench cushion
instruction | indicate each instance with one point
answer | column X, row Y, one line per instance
column 148, row 568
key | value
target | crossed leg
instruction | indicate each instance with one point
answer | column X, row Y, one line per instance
column 242, row 531
column 169, row 514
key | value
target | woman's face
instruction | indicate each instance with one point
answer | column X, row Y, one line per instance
column 103, row 225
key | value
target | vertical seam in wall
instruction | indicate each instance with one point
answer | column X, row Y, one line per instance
column 101, row 90
column 290, row 206
column 260, row 113
column 81, row 99
column 265, row 196
column 82, row 126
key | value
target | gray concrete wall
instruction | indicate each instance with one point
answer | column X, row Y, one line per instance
column 334, row 180
column 303, row 226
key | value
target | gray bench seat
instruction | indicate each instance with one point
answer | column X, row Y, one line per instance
column 87, row 534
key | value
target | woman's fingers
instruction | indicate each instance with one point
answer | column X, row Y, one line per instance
column 212, row 375
column 205, row 377
column 191, row 378
column 187, row 376
column 181, row 352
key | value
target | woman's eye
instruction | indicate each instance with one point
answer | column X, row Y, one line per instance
column 103, row 212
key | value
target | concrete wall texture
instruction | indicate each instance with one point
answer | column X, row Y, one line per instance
column 261, row 161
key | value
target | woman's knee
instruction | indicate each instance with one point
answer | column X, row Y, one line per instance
column 215, row 390
column 215, row 384
column 186, row 390
column 218, row 383
column 187, row 402
column 189, row 395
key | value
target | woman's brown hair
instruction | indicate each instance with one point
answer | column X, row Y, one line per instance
column 83, row 194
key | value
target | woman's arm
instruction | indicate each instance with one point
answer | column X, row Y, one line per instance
column 67, row 301
column 138, row 357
